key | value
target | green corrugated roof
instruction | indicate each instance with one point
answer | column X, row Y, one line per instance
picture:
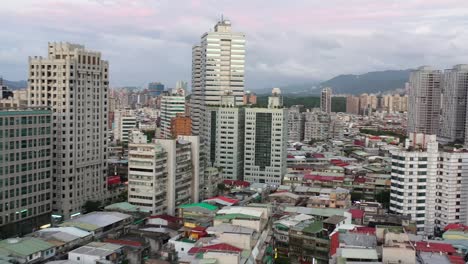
column 314, row 227
column 235, row 216
column 25, row 246
column 203, row 205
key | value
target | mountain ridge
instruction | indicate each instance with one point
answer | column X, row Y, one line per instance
column 370, row 82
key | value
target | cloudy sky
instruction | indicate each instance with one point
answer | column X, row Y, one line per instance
column 294, row 41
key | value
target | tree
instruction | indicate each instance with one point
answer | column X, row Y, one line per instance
column 91, row 206
column 383, row 197
column 356, row 196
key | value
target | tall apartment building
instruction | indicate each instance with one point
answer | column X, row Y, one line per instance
column 124, row 122
column 164, row 174
column 454, row 104
column 325, row 100
column 395, row 103
column 74, row 82
column 296, row 123
column 217, row 69
column 224, row 138
column 25, row 170
column 196, row 100
column 352, row 104
column 171, row 105
column 428, row 184
column 155, row 89
column 424, row 101
column 316, row 125
column 266, row 138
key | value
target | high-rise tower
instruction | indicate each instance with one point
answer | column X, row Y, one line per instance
column 424, row 101
column 454, row 102
column 217, row 69
column 73, row 81
column 325, row 100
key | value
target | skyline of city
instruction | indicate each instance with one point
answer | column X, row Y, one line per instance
column 382, row 36
column 372, row 170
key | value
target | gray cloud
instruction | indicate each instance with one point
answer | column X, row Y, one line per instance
column 287, row 42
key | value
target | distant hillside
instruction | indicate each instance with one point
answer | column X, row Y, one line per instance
column 14, row 85
column 371, row 82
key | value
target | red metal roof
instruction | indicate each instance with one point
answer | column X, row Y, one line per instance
column 356, row 213
column 456, row 260
column 217, row 247
column 225, row 199
column 364, row 230
column 455, row 227
column 237, row 183
column 318, row 155
column 435, row 247
column 166, row 217
column 123, row 242
column 198, row 229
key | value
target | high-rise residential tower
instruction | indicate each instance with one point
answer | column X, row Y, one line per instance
column 217, row 69
column 73, row 81
column 424, row 101
column 352, row 104
column 325, row 100
column 266, row 137
column 429, row 184
column 454, row 103
column 171, row 105
column 25, row 170
column 296, row 123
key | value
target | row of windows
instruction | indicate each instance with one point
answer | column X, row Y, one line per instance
column 30, row 120
column 16, row 180
column 16, row 216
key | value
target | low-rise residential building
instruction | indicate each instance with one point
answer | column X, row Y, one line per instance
column 27, row 249
column 97, row 252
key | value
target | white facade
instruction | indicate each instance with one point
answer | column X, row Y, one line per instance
column 316, row 125
column 428, row 185
column 325, row 100
column 74, row 82
column 124, row 122
column 171, row 105
column 266, row 137
column 454, row 103
column 295, row 124
column 164, row 174
column 224, row 140
column 217, row 68
column 424, row 101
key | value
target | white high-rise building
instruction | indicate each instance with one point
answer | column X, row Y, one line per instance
column 325, row 100
column 295, row 123
column 430, row 184
column 74, row 82
column 124, row 122
column 224, row 138
column 454, row 103
column 196, row 99
column 217, row 69
column 164, row 174
column 316, row 125
column 424, row 101
column 266, row 137
column 171, row 105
